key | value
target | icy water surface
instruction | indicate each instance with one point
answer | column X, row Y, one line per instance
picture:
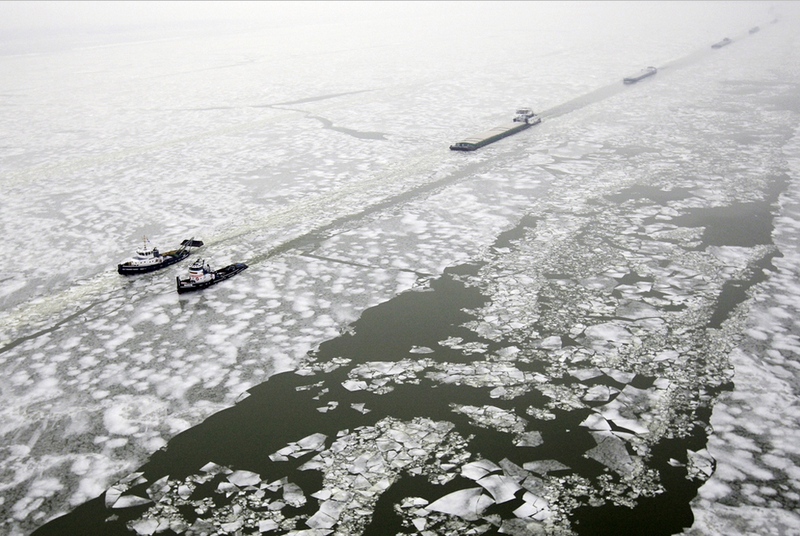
column 586, row 328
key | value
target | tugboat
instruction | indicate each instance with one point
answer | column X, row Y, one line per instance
column 201, row 275
column 526, row 115
column 148, row 258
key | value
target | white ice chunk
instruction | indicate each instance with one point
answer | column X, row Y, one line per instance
column 586, row 374
column 599, row 393
column 327, row 515
column 158, row 489
column 479, row 469
column 532, row 506
column 267, row 525
column 620, row 376
column 127, row 501
column 467, row 504
column 543, row 467
column 529, row 439
column 360, row 407
column 667, row 355
column 184, row 491
column 146, row 527
column 112, row 494
column 413, row 502
column 314, row 464
column 232, row 526
column 244, row 478
column 313, row 442
column 611, row 452
column 551, row 343
column 601, row 335
column 595, row 422
column 501, row 487
column 420, row 350
column 293, row 495
column 212, row 468
column 621, row 410
column 513, row 470
column 701, row 464
column 323, row 494
column 354, row 385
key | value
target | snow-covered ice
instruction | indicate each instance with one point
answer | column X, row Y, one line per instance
column 332, row 180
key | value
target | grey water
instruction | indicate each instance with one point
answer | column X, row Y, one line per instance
column 585, row 328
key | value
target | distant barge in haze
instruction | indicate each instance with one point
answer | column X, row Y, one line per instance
column 644, row 73
column 722, row 43
column 524, row 119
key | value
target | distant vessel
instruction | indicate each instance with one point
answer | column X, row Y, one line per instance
column 201, row 275
column 148, row 258
column 523, row 119
column 754, row 29
column 644, row 73
column 722, row 43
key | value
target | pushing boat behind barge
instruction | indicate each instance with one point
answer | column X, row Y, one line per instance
column 523, row 119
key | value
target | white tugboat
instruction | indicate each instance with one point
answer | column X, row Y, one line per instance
column 201, row 275
column 526, row 115
column 148, row 258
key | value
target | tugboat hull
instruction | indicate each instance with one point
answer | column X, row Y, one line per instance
column 186, row 285
column 143, row 261
column 168, row 258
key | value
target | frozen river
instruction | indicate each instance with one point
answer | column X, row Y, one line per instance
column 587, row 328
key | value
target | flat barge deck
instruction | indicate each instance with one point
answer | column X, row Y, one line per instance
column 644, row 73
column 493, row 135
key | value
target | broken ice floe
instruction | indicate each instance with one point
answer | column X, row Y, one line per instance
column 544, row 467
column 357, row 468
column 612, row 453
column 493, row 417
column 701, row 464
column 467, row 348
column 313, row 442
column 468, row 503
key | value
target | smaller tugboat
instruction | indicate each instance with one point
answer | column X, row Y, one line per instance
column 148, row 258
column 722, row 43
column 644, row 73
column 201, row 275
column 754, row 29
column 526, row 115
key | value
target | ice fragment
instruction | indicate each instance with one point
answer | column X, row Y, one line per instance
column 467, row 504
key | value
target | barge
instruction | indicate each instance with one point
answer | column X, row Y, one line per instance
column 722, row 43
column 644, row 73
column 522, row 121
